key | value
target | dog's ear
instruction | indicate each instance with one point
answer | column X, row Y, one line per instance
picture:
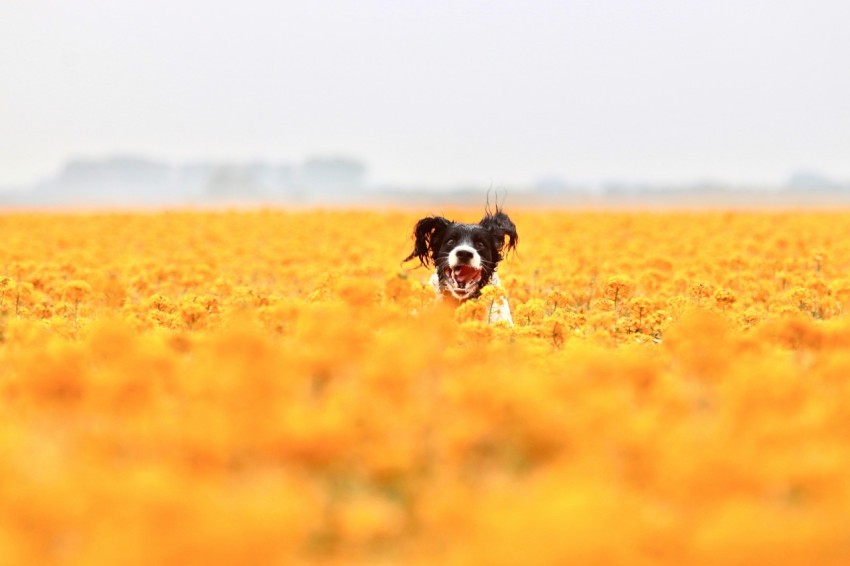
column 501, row 226
column 427, row 233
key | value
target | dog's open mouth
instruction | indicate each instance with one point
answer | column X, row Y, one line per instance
column 463, row 276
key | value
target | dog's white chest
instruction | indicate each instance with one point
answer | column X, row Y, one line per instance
column 499, row 310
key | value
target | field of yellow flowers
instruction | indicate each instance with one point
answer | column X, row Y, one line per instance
column 269, row 387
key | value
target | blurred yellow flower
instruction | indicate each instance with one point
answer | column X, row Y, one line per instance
column 244, row 388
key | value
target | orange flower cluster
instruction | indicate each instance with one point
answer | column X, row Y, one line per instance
column 274, row 388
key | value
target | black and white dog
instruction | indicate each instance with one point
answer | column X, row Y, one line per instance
column 466, row 256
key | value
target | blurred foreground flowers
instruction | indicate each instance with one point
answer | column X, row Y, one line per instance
column 270, row 388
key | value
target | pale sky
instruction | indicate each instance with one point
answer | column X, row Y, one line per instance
column 433, row 92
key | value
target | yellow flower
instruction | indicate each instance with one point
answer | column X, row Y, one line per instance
column 724, row 299
column 619, row 288
column 192, row 313
column 76, row 291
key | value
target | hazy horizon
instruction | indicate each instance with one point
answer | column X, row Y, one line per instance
column 433, row 93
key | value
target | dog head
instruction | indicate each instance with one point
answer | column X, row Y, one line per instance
column 465, row 255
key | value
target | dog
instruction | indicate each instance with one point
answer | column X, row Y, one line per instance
column 466, row 256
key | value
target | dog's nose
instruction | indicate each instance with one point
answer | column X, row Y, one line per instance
column 464, row 255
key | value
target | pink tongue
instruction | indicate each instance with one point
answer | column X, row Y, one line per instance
column 464, row 273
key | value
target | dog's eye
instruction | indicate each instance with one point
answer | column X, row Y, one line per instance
column 450, row 242
column 479, row 245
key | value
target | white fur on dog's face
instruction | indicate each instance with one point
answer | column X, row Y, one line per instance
column 462, row 268
column 475, row 262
